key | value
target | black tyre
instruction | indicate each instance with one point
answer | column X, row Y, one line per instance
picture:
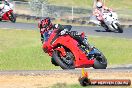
column 53, row 62
column 100, row 61
column 64, row 62
column 120, row 29
column 105, row 27
column 12, row 17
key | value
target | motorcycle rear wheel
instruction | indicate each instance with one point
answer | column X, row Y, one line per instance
column 62, row 61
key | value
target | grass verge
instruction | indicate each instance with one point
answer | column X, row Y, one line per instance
column 121, row 4
column 21, row 50
column 57, row 21
column 116, row 50
column 63, row 85
column 79, row 86
column 26, row 21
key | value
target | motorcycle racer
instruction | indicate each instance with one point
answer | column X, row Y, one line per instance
column 66, row 48
column 1, row 7
column 2, row 3
column 99, row 8
column 105, row 17
column 46, row 28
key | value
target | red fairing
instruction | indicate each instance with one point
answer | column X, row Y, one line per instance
column 6, row 15
column 81, row 59
column 62, row 50
column 83, row 34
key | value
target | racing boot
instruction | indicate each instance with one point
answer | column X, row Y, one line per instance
column 90, row 50
column 86, row 44
column 83, row 41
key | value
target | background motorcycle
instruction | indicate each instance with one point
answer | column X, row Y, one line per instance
column 110, row 22
column 7, row 13
column 67, row 53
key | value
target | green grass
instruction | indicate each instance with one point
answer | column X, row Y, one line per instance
column 21, row 50
column 63, row 85
column 116, row 4
column 57, row 21
column 117, row 50
column 120, row 4
column 75, row 3
column 26, row 21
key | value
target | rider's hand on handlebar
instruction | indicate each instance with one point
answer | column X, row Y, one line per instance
column 63, row 32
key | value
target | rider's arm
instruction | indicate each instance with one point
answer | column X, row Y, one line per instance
column 58, row 27
column 106, row 8
column 62, row 29
column 97, row 13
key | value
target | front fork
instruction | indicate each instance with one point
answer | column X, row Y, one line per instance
column 114, row 25
column 61, row 50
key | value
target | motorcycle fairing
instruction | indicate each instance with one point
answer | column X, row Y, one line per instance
column 81, row 59
column 6, row 15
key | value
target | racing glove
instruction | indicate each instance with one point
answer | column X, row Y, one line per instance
column 63, row 32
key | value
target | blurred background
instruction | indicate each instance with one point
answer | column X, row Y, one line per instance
column 68, row 11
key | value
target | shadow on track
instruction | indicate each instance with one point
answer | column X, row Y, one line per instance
column 106, row 31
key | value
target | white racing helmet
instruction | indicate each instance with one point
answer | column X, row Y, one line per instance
column 99, row 5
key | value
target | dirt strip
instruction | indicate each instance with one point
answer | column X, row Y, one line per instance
column 48, row 80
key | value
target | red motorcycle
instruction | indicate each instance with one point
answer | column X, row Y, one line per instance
column 7, row 13
column 67, row 53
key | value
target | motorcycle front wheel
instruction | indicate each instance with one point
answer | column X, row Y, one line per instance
column 12, row 17
column 105, row 27
column 119, row 29
column 100, row 61
column 66, row 62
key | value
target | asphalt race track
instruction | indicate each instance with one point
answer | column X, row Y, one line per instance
column 76, row 71
column 89, row 30
column 96, row 31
